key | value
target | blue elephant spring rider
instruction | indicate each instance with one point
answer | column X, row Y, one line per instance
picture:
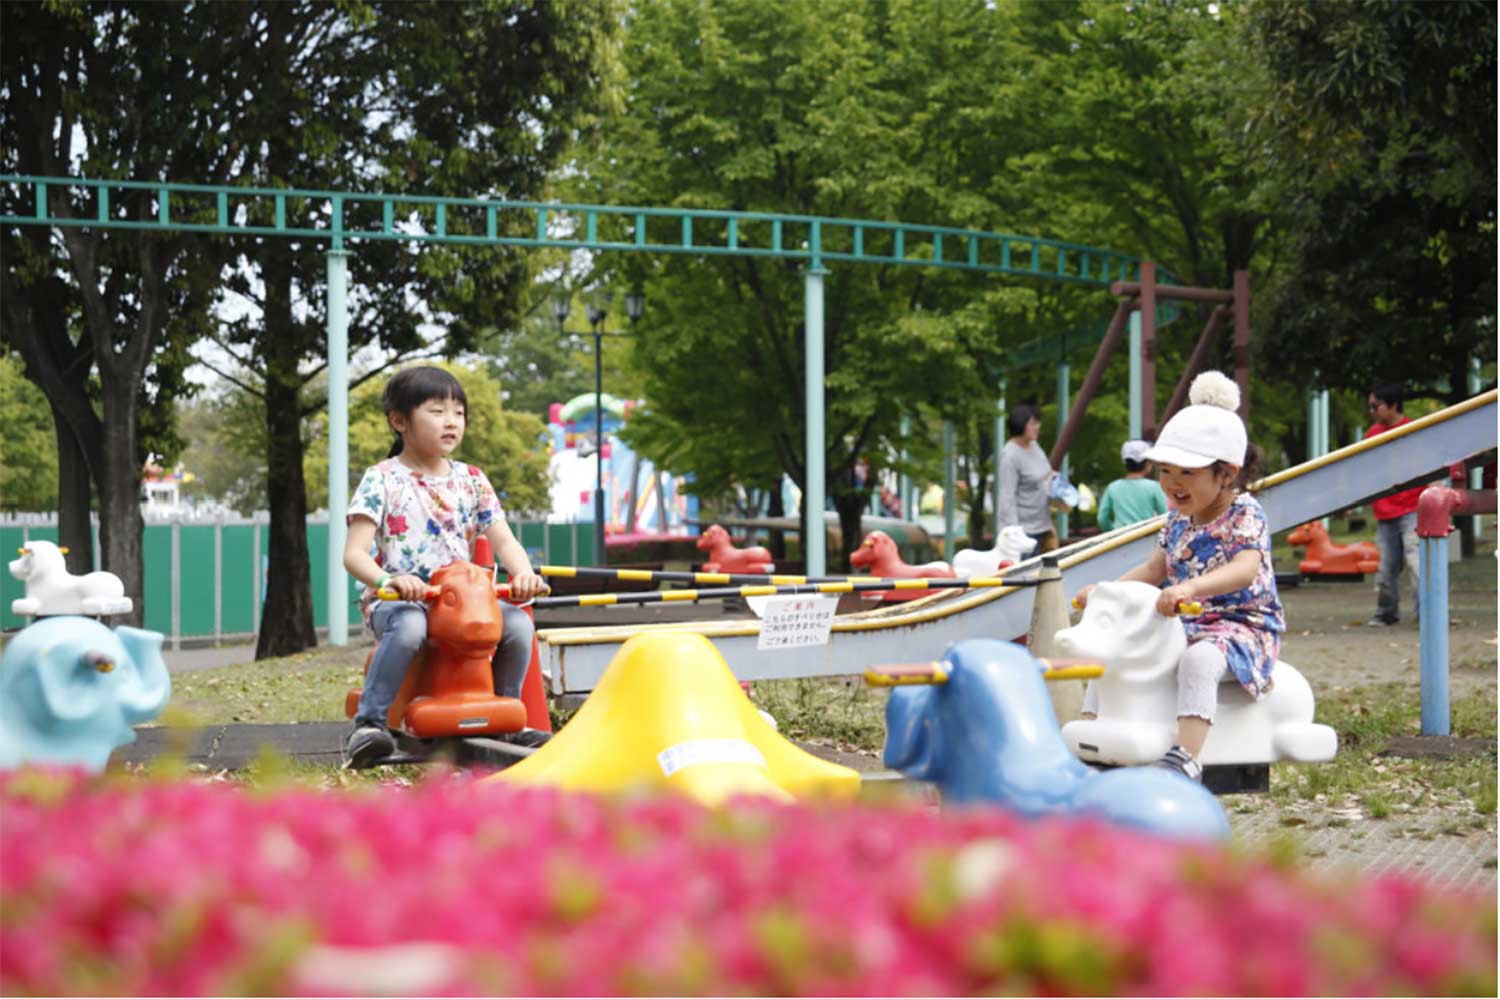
column 70, row 690
column 980, row 725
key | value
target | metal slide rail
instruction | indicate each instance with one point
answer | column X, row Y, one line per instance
column 575, row 658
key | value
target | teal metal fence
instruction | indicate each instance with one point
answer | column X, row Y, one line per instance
column 205, row 580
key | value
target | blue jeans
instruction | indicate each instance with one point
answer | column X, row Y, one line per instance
column 1397, row 540
column 400, row 627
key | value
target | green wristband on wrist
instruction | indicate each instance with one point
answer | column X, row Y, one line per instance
column 384, row 581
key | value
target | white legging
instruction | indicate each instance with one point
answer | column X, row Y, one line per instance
column 1199, row 669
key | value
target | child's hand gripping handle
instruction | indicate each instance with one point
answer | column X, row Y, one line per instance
column 502, row 590
column 388, row 592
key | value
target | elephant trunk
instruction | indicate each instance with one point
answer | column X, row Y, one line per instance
column 142, row 700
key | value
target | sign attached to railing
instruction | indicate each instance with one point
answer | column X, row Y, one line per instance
column 797, row 620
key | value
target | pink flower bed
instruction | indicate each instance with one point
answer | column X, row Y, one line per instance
column 150, row 887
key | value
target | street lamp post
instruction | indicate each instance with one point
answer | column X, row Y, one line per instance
column 597, row 306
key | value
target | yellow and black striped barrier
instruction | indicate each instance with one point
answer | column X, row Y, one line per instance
column 721, row 593
column 698, row 578
column 758, row 588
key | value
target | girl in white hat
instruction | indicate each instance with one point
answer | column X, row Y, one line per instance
column 1215, row 549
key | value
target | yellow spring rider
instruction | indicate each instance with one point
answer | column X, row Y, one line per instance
column 668, row 713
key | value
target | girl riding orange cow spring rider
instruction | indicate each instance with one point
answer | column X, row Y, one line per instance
column 422, row 511
column 1215, row 549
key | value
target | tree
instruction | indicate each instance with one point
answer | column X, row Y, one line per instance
column 1377, row 124
column 794, row 108
column 28, row 470
column 441, row 99
column 97, row 88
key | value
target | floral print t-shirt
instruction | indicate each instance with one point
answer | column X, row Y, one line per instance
column 422, row 522
column 1246, row 624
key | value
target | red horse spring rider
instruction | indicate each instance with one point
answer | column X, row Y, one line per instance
column 450, row 689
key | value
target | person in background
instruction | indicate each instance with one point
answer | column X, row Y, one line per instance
column 1395, row 518
column 1026, row 480
column 1137, row 496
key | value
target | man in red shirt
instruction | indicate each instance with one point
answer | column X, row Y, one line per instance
column 1395, row 518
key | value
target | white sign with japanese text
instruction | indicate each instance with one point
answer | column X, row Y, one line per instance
column 797, row 620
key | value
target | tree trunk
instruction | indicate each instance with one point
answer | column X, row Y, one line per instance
column 286, row 626
column 73, row 497
column 120, row 522
column 851, row 506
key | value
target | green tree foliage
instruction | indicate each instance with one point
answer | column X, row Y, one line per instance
column 105, row 90
column 227, row 445
column 1083, row 121
column 796, row 107
column 508, row 446
column 28, row 448
column 1377, row 127
column 428, row 98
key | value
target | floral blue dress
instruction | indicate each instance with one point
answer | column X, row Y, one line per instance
column 1246, row 624
column 422, row 522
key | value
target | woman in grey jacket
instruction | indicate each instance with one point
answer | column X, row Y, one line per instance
column 1026, row 479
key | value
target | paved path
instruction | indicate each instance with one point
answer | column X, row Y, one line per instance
column 208, row 657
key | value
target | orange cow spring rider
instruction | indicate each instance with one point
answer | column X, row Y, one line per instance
column 877, row 556
column 449, row 689
column 723, row 556
column 1324, row 558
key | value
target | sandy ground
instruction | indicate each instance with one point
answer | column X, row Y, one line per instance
column 1328, row 640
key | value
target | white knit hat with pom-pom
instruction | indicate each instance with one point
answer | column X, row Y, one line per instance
column 1209, row 430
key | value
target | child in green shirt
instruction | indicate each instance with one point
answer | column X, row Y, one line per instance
column 1134, row 498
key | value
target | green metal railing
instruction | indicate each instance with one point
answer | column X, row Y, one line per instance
column 341, row 216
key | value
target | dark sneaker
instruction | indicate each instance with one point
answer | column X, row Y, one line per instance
column 1181, row 761
column 530, row 738
column 366, row 745
column 1380, row 622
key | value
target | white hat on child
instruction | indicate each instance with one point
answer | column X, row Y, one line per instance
column 1134, row 450
column 1207, row 431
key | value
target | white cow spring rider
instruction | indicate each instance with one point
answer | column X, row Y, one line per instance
column 1136, row 723
column 52, row 590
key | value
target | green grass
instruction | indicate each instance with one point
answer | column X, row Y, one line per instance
column 309, row 686
column 1366, row 719
column 846, row 713
column 841, row 710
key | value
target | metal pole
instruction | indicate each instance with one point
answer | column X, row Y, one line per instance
column 338, row 445
column 1135, row 374
column 1476, row 475
column 1149, row 425
column 1433, row 629
column 999, row 446
column 903, row 485
column 815, row 537
column 948, row 488
column 600, row 558
column 1064, row 371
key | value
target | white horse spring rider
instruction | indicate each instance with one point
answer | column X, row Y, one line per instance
column 52, row 590
column 1137, row 720
column 1011, row 545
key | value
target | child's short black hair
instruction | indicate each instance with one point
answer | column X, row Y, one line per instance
column 1135, row 466
column 1393, row 394
column 410, row 387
